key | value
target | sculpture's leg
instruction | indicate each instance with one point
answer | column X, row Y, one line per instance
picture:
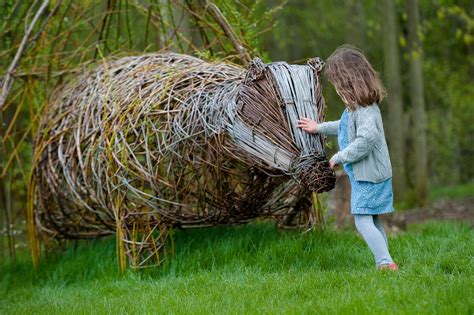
column 297, row 212
column 143, row 239
column 318, row 210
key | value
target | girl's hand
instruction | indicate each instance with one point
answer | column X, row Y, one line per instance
column 307, row 125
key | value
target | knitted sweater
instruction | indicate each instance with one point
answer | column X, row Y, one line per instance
column 367, row 150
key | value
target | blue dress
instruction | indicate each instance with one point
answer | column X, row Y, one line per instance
column 366, row 197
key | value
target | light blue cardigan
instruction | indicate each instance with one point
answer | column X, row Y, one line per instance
column 367, row 150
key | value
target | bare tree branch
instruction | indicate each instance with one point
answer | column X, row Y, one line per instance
column 7, row 83
column 224, row 24
column 45, row 22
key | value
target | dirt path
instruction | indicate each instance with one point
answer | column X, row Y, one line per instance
column 459, row 210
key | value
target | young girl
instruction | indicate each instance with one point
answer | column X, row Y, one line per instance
column 363, row 149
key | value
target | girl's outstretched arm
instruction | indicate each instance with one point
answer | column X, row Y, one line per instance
column 329, row 128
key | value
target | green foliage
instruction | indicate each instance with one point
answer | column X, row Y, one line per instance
column 256, row 268
column 448, row 67
column 81, row 33
column 453, row 192
column 251, row 20
column 458, row 191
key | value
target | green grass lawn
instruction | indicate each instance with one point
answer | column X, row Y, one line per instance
column 453, row 191
column 435, row 193
column 256, row 269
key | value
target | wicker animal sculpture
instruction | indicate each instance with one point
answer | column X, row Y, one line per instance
column 142, row 144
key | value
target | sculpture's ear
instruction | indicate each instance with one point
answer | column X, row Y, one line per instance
column 255, row 70
column 317, row 64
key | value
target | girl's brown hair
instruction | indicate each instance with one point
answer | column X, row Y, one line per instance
column 355, row 80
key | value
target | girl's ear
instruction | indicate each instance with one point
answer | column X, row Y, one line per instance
column 317, row 64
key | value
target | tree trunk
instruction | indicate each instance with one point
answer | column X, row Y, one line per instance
column 395, row 103
column 5, row 205
column 418, row 104
column 355, row 33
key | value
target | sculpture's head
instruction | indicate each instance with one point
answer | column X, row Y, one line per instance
column 263, row 123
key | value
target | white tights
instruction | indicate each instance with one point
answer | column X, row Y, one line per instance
column 374, row 235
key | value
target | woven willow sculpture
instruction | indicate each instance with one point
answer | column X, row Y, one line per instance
column 143, row 144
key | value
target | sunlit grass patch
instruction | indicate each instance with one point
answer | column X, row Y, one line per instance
column 256, row 269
